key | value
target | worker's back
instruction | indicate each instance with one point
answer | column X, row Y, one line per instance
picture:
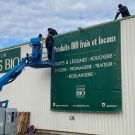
column 124, row 11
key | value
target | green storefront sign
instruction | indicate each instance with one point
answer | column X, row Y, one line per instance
column 9, row 59
column 87, row 75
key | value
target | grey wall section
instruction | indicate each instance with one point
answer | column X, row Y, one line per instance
column 31, row 92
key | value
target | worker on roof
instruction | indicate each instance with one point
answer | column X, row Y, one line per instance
column 123, row 10
column 49, row 42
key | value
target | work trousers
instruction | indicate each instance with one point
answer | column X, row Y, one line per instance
column 49, row 53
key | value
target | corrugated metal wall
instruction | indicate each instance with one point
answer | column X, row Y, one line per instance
column 128, row 75
column 31, row 92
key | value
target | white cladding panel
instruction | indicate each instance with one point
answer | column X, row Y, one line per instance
column 31, row 92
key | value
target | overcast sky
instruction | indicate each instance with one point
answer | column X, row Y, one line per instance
column 21, row 20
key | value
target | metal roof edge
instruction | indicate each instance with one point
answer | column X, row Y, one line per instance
column 97, row 25
column 14, row 46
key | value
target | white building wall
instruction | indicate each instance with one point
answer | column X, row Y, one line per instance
column 31, row 92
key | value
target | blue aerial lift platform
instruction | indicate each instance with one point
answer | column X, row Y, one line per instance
column 33, row 60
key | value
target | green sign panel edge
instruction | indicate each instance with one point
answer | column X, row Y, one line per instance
column 74, row 53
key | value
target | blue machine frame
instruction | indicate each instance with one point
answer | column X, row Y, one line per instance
column 34, row 60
